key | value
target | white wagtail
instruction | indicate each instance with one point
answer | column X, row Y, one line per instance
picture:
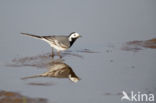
column 58, row 69
column 60, row 43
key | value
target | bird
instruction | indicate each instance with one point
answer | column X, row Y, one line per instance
column 57, row 69
column 58, row 42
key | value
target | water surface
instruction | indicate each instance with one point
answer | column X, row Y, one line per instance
column 98, row 59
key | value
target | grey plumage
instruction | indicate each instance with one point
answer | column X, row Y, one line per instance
column 60, row 42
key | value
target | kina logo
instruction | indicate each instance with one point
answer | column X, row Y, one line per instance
column 137, row 97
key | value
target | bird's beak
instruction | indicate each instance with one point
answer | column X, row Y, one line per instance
column 80, row 36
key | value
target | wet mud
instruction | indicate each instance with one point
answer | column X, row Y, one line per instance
column 137, row 45
column 14, row 97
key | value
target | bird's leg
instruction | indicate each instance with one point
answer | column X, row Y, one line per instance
column 52, row 53
column 58, row 53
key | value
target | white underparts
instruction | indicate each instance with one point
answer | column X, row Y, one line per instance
column 57, row 47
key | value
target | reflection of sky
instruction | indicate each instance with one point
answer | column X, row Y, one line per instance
column 111, row 20
column 104, row 25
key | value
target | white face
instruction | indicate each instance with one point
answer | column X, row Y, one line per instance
column 74, row 79
column 74, row 35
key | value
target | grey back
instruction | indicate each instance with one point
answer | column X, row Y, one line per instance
column 63, row 40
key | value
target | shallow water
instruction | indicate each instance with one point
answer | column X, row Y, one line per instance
column 13, row 97
column 106, row 61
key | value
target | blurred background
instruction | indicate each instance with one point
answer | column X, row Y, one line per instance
column 106, row 25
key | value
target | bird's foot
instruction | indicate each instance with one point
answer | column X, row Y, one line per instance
column 60, row 56
column 52, row 55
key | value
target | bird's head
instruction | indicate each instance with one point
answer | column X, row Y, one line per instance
column 74, row 36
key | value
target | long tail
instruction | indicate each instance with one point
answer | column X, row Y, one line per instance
column 34, row 76
column 35, row 36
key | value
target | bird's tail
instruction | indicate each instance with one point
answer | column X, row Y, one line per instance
column 34, row 76
column 35, row 36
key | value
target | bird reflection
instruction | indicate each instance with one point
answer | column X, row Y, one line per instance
column 58, row 69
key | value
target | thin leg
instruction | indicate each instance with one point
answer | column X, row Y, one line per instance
column 58, row 53
column 52, row 53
